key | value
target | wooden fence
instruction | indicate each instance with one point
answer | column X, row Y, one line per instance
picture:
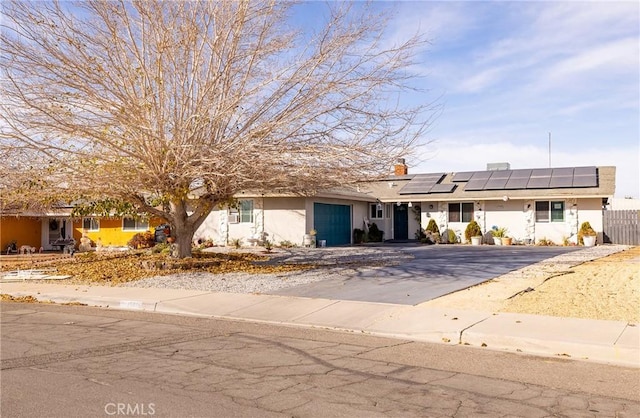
column 621, row 227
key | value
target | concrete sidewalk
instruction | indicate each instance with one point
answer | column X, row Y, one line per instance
column 611, row 342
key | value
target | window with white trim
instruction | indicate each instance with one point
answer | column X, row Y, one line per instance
column 90, row 224
column 132, row 224
column 376, row 211
column 245, row 208
column 549, row 211
column 460, row 212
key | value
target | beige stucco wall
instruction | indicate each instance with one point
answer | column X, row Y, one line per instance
column 518, row 216
column 284, row 219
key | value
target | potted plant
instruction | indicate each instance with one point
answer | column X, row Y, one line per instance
column 506, row 240
column 587, row 235
column 473, row 233
column 498, row 233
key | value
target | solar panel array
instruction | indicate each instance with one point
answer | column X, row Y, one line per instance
column 427, row 183
column 543, row 178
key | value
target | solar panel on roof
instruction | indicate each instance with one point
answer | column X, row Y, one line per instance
column 475, row 184
column 565, row 181
column 517, row 183
column 501, row 174
column 443, row 188
column 520, row 174
column 585, row 181
column 562, row 172
column 480, row 175
column 538, row 183
column 541, row 172
column 495, row 184
column 416, row 190
column 584, row 171
column 466, row 176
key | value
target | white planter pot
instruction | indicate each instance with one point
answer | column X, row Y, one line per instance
column 497, row 240
column 589, row 240
column 476, row 240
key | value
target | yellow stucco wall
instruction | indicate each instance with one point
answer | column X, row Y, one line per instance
column 110, row 232
column 25, row 230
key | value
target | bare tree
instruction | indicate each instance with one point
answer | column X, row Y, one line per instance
column 171, row 108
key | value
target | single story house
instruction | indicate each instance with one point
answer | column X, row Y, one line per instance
column 533, row 204
column 46, row 230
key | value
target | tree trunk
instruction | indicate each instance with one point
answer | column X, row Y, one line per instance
column 184, row 237
column 182, row 229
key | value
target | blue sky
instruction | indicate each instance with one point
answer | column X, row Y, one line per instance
column 508, row 73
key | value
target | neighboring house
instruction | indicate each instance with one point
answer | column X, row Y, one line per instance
column 43, row 230
column 533, row 204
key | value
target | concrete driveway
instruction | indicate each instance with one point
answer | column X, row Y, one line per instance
column 433, row 271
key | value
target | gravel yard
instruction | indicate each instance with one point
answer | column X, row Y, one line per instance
column 330, row 262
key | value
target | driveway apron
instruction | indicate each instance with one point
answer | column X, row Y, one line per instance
column 433, row 272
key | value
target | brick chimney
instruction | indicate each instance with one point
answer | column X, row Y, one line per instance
column 401, row 168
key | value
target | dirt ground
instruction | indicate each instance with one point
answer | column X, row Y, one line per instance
column 606, row 288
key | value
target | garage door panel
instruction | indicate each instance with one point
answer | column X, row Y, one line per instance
column 332, row 223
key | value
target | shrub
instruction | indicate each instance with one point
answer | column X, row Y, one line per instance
column 452, row 238
column 287, row 244
column 235, row 242
column 433, row 227
column 160, row 247
column 472, row 230
column 585, row 230
column 358, row 236
column 375, row 234
column 499, row 232
column 545, row 242
column 142, row 240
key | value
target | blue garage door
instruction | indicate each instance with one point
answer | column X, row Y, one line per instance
column 333, row 223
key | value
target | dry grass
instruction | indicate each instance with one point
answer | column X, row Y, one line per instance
column 116, row 268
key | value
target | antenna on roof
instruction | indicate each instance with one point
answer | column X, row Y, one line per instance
column 549, row 149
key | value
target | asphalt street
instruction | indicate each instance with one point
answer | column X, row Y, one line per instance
column 72, row 361
column 433, row 271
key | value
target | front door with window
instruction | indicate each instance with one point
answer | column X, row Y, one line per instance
column 401, row 222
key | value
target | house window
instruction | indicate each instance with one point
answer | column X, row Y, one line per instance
column 549, row 211
column 90, row 224
column 460, row 212
column 376, row 211
column 245, row 208
column 131, row 224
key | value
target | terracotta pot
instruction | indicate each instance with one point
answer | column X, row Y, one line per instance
column 506, row 241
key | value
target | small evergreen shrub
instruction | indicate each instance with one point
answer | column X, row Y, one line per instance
column 585, row 230
column 433, row 227
column 452, row 238
column 472, row 230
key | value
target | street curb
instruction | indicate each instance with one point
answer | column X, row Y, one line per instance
column 611, row 342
